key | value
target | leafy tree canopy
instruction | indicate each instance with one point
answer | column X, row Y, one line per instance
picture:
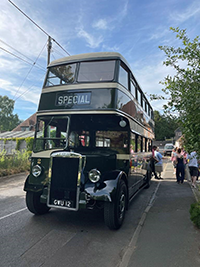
column 183, row 88
column 165, row 126
column 8, row 120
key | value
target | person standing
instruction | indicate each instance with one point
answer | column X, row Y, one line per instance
column 173, row 158
column 193, row 167
column 180, row 167
column 159, row 164
column 153, row 160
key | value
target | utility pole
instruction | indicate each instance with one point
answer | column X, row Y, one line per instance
column 49, row 46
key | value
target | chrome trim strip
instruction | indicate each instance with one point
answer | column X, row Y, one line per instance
column 67, row 112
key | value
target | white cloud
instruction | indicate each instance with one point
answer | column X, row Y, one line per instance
column 111, row 22
column 101, row 24
column 191, row 11
column 159, row 33
column 149, row 77
column 5, row 83
column 111, row 48
column 30, row 94
column 17, row 31
column 92, row 41
column 33, row 95
column 124, row 11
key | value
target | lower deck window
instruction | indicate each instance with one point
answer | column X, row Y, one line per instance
column 112, row 139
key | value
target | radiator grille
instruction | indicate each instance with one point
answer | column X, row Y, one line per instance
column 63, row 185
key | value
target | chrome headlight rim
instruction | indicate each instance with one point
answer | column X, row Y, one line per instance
column 94, row 175
column 36, row 170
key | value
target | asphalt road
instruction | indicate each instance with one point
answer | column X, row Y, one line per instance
column 62, row 238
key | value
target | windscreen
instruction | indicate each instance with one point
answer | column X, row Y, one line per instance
column 96, row 71
column 59, row 75
column 51, row 133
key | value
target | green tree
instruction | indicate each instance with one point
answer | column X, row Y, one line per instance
column 165, row 126
column 8, row 120
column 183, row 88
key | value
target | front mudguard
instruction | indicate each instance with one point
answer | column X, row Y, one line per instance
column 32, row 187
column 107, row 189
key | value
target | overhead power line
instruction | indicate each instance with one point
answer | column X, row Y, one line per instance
column 38, row 26
column 20, row 53
column 58, row 52
column 27, row 75
column 21, row 58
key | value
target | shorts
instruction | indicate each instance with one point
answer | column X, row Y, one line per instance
column 158, row 168
column 193, row 171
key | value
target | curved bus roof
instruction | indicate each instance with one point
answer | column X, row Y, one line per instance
column 88, row 57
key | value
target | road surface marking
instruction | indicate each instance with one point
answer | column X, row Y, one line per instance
column 13, row 213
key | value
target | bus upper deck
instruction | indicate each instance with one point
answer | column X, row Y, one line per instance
column 95, row 82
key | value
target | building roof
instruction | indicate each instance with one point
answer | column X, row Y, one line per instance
column 29, row 123
column 17, row 134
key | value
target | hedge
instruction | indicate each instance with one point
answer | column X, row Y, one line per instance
column 19, row 140
column 195, row 213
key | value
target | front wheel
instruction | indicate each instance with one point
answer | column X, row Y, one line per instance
column 34, row 205
column 114, row 212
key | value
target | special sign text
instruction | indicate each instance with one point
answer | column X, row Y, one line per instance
column 71, row 99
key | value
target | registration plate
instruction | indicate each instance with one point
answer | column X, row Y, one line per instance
column 63, row 203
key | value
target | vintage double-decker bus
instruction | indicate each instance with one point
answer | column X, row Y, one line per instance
column 93, row 138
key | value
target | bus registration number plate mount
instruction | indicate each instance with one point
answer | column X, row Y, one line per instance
column 63, row 203
column 67, row 99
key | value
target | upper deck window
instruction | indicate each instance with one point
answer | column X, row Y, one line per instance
column 59, row 75
column 96, row 71
column 133, row 88
column 123, row 77
column 139, row 97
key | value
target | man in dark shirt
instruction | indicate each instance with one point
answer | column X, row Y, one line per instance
column 153, row 161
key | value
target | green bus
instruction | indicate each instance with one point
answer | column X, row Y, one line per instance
column 93, row 138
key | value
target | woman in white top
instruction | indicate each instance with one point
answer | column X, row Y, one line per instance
column 193, row 167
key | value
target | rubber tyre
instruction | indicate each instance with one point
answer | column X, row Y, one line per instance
column 34, row 205
column 114, row 212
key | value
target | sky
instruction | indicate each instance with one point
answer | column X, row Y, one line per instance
column 133, row 28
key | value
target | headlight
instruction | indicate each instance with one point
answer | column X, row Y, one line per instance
column 94, row 175
column 36, row 170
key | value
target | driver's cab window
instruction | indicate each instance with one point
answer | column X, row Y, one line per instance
column 79, row 139
column 51, row 133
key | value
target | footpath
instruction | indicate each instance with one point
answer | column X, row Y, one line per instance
column 168, row 237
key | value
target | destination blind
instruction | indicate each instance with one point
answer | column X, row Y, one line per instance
column 67, row 99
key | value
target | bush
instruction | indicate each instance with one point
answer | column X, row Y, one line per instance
column 15, row 163
column 195, row 213
column 18, row 143
column 29, row 143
